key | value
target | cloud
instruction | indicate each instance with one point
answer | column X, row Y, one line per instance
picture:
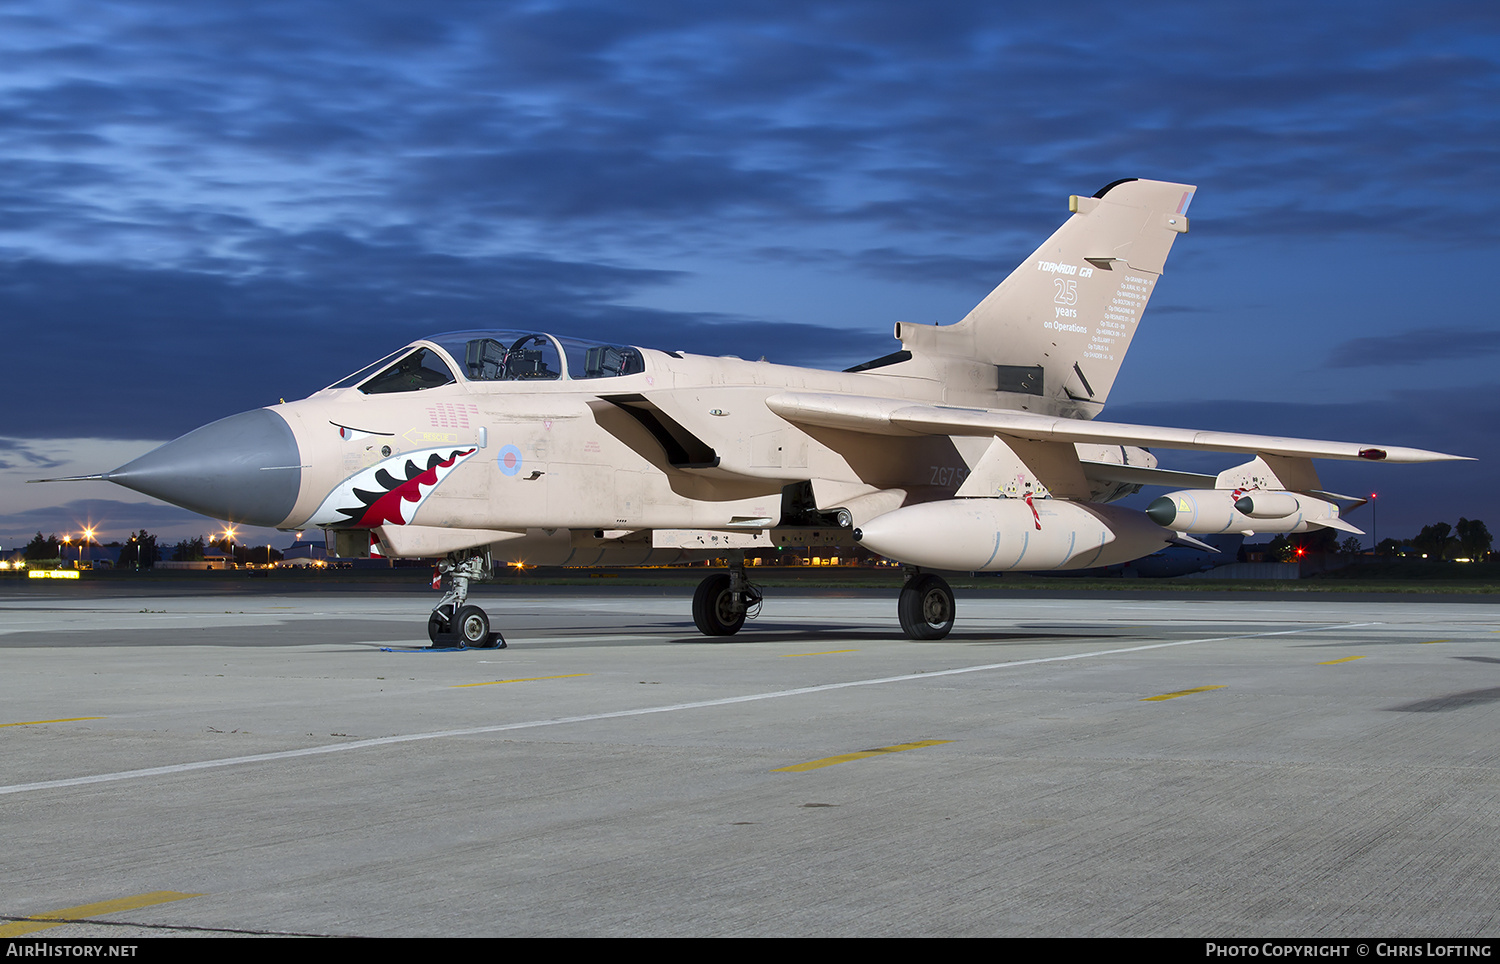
column 893, row 263
column 670, row 121
column 562, row 183
column 24, row 454
column 1414, row 347
column 890, row 263
column 205, row 208
column 113, row 519
column 141, row 352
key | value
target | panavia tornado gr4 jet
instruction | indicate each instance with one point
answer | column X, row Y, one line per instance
column 973, row 447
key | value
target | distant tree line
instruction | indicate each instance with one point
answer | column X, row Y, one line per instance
column 49, row 547
column 194, row 549
column 1470, row 539
column 1467, row 540
column 188, row 550
column 139, row 550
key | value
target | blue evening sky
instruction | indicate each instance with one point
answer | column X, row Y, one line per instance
column 208, row 206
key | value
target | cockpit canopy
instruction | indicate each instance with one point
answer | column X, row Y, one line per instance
column 493, row 356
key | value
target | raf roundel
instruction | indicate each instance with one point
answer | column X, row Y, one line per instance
column 509, row 459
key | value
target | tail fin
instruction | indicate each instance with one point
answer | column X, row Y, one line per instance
column 1058, row 328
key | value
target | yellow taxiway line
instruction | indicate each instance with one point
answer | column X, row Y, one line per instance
column 71, row 719
column 69, row 915
column 352, row 745
column 1173, row 696
column 829, row 761
column 529, row 679
column 1346, row 659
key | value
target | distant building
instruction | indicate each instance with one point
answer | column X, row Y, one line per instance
column 96, row 557
column 302, row 553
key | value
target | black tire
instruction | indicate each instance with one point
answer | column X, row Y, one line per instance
column 471, row 627
column 714, row 608
column 440, row 626
column 926, row 607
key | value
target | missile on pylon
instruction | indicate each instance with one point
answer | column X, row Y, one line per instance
column 1208, row 511
column 995, row 535
column 1269, row 505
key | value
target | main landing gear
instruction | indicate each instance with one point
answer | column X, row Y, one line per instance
column 925, row 606
column 453, row 623
column 724, row 600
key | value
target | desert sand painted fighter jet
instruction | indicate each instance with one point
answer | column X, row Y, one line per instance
column 974, row 447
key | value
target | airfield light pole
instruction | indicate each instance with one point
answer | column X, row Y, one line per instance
column 1374, row 526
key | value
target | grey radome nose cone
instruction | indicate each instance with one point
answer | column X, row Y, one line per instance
column 244, row 468
column 1162, row 512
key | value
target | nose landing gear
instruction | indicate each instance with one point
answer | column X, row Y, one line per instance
column 454, row 624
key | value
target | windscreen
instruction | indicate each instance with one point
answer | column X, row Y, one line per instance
column 422, row 369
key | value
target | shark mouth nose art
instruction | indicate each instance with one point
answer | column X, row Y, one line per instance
column 378, row 495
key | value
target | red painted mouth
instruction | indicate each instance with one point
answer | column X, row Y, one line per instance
column 387, row 507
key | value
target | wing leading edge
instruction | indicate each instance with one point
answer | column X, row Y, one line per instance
column 885, row 416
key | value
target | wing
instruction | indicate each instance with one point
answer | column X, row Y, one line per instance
column 886, row 416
